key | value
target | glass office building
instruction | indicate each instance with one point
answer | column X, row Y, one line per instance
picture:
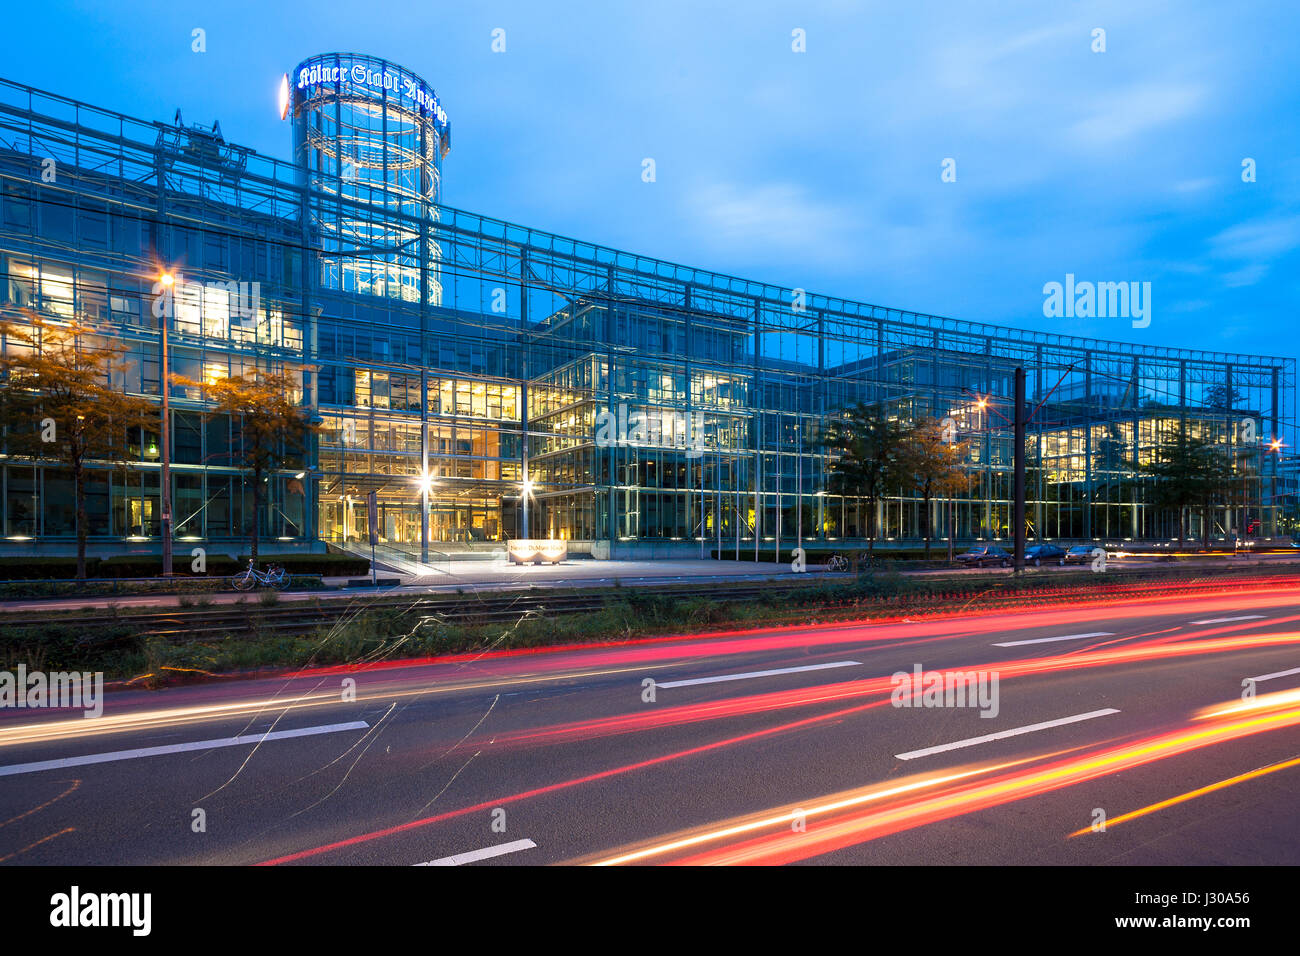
column 476, row 374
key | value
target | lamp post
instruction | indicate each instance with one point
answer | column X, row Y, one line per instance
column 166, row 521
column 952, row 509
column 1019, row 422
column 1018, row 483
column 523, row 504
column 424, row 482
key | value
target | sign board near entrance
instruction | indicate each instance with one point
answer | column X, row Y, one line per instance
column 532, row 551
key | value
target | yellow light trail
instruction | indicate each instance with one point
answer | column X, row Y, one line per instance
column 1193, row 794
column 797, row 813
column 1274, row 701
column 1267, row 713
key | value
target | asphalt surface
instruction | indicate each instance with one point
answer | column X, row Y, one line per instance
column 559, row 757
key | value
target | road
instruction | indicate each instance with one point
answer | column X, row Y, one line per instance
column 776, row 746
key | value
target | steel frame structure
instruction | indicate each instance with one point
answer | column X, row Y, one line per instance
column 533, row 336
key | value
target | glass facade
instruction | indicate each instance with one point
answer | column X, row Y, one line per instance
column 369, row 139
column 453, row 360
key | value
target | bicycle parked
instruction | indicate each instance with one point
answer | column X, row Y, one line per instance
column 273, row 577
column 837, row 562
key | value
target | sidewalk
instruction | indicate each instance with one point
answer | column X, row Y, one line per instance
column 479, row 575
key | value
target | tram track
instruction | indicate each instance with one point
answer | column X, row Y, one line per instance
column 184, row 624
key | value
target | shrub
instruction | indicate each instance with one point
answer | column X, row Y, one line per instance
column 148, row 566
column 34, row 568
column 59, row 567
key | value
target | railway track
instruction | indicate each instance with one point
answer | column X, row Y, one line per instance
column 196, row 623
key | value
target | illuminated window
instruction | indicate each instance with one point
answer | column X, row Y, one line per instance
column 22, row 283
column 216, row 311
column 56, row 290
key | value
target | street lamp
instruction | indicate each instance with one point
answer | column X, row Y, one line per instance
column 167, row 280
column 952, row 510
column 1019, row 422
column 528, row 491
column 424, row 481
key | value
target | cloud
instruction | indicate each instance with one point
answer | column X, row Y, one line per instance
column 1032, row 38
column 981, row 63
column 1195, row 185
column 1252, row 247
column 1126, row 114
column 1265, row 239
column 778, row 217
column 1249, row 275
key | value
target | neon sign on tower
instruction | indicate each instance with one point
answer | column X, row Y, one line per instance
column 385, row 79
column 370, row 138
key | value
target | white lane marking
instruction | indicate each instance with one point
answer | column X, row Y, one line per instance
column 64, row 762
column 1049, row 640
column 749, row 674
column 470, row 856
column 1228, row 620
column 1013, row 732
column 1294, row 670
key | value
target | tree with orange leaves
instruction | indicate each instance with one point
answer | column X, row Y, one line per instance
column 271, row 427
column 62, row 400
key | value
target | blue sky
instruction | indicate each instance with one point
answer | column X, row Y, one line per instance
column 820, row 169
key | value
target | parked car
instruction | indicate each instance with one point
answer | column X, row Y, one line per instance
column 986, row 554
column 1040, row 554
column 1079, row 554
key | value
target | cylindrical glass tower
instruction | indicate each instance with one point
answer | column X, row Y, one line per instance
column 369, row 138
